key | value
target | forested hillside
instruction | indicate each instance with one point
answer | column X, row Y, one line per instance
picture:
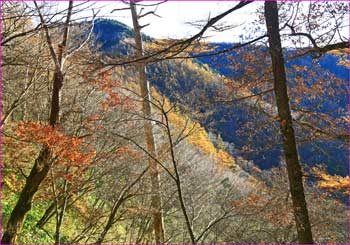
column 204, row 82
column 112, row 136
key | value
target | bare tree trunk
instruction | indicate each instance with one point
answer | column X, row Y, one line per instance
column 121, row 198
column 60, row 220
column 43, row 163
column 286, row 126
column 178, row 180
column 156, row 204
column 47, row 215
column 24, row 203
column 111, row 217
column 61, row 210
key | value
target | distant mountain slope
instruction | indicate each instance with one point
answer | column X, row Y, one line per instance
column 205, row 155
column 331, row 152
column 192, row 84
column 108, row 34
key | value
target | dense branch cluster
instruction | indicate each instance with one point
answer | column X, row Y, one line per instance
column 138, row 140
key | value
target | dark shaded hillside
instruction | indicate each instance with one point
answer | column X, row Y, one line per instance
column 192, row 86
column 328, row 62
column 333, row 153
column 108, row 34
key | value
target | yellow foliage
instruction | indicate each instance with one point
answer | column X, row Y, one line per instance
column 82, row 208
column 343, row 56
column 334, row 182
column 197, row 135
column 12, row 183
column 340, row 51
column 345, row 63
column 200, row 139
column 225, row 158
column 174, row 45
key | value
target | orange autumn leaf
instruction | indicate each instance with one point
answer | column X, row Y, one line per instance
column 333, row 182
column 105, row 82
column 69, row 150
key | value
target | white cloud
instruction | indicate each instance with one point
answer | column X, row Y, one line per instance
column 176, row 15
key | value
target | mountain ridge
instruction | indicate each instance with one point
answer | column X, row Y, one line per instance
column 224, row 125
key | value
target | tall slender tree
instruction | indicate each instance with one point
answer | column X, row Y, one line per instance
column 43, row 162
column 286, row 125
column 156, row 203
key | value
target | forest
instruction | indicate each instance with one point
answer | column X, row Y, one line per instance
column 113, row 135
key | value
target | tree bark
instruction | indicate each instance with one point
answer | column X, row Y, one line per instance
column 118, row 202
column 286, row 126
column 156, row 204
column 62, row 210
column 43, row 163
column 24, row 203
column 47, row 215
column 178, row 180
